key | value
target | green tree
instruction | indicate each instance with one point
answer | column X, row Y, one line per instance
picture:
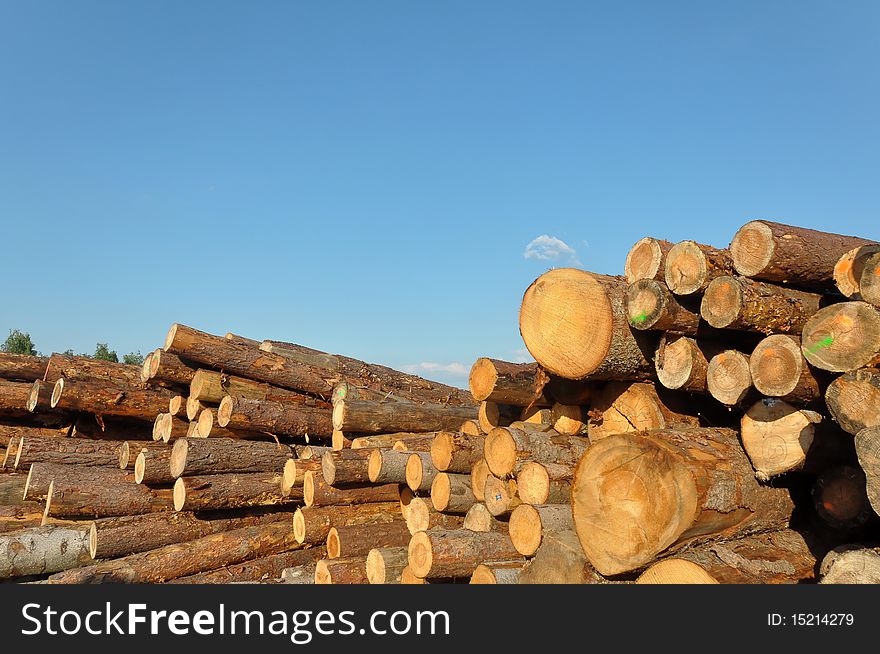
column 18, row 343
column 103, row 353
column 133, row 358
column 69, row 352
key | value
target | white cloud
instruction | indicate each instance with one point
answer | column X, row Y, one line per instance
column 550, row 248
column 456, row 369
column 522, row 355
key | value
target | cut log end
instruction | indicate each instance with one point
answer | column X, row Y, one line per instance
column 533, row 483
column 139, row 465
column 170, row 337
column 675, row 571
column 178, row 457
column 338, row 415
column 224, row 411
column 645, row 302
column 500, row 452
column 441, row 450
column 752, row 248
column 420, row 553
column 644, row 260
column 93, row 540
column 686, row 268
column 849, row 268
column 722, row 302
column 728, row 377
column 842, row 337
column 482, row 379
column 179, row 494
column 333, row 546
column 776, row 436
column 776, row 365
column 525, row 529
column 440, row 492
column 57, row 391
column 414, row 472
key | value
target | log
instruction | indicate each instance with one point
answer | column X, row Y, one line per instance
column 207, row 427
column 867, row 443
column 95, row 397
column 415, row 444
column 341, row 571
column 560, row 560
column 456, row 552
column 97, row 371
column 854, row 400
column 569, row 419
column 11, row 451
column 779, row 369
column 295, row 471
column 179, row 560
column 575, row 325
column 744, row 304
column 114, row 537
column 80, row 493
column 177, row 406
column 301, row 574
column 471, row 428
column 479, row 473
column 775, row 557
column 420, row 472
column 273, row 417
column 162, row 367
column 14, row 398
column 374, row 417
column 646, row 259
column 348, row 541
column 211, row 387
column 792, row 255
column 386, row 466
column 500, row 496
column 152, row 467
column 12, row 489
column 777, row 437
column 312, row 524
column 851, row 565
column 650, row 306
column 682, row 363
column 22, row 367
column 316, row 492
column 387, row 440
column 849, row 267
column 385, row 564
column 869, row 282
column 456, row 452
column 620, row 407
column 339, row 441
column 170, row 428
column 841, row 498
column 7, row 432
column 843, row 337
column 22, row 516
column 507, row 447
column 478, row 518
column 261, row 570
column 70, row 451
column 129, row 450
column 529, row 523
column 346, row 467
column 40, row 397
column 421, row 516
column 492, row 414
column 498, row 572
column 194, row 456
column 229, row 491
column 43, row 550
column 532, row 415
column 544, row 483
column 195, row 407
column 313, row 452
column 728, row 377
column 691, row 266
column 519, row 384
column 408, row 578
column 679, row 485
column 451, row 493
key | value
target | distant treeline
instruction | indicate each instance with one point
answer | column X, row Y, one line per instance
column 19, row 342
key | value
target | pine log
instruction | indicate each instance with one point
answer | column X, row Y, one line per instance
column 498, row 572
column 519, row 384
column 867, row 443
column 170, row 428
column 646, row 259
column 11, row 451
column 568, row 419
column 8, row 432
column 211, row 387
column 313, row 451
column 95, row 397
column 22, row 367
column 421, row 516
column 43, row 550
column 408, row 578
column 682, row 362
column 273, row 417
column 104, row 478
column 471, row 428
column 650, row 306
column 70, row 451
column 492, row 415
column 153, row 467
column 728, row 377
column 779, row 369
column 312, row 524
column 14, row 398
column 97, row 371
column 347, row 541
column 179, row 560
column 229, row 491
column 372, row 417
column 456, row 452
column 230, row 336
column 415, row 444
column 479, row 518
column 262, row 570
column 529, row 523
column 849, row 268
column 128, row 452
column 691, row 266
column 387, row 440
column 777, row 436
column 420, row 472
column 339, row 441
column 774, row 557
column 678, row 485
column 478, row 479
column 741, row 303
column 386, row 466
column 851, row 564
column 295, row 472
column 456, row 552
column 385, row 564
column 451, row 493
column 544, row 483
column 841, row 498
column 792, row 255
column 83, row 494
column 194, row 456
column 869, row 282
column 207, row 427
column 177, row 406
column 843, row 337
column 341, row 571
column 40, row 397
column 500, row 496
column 560, row 560
column 346, row 467
column 23, row 516
column 506, row 448
column 300, row 574
column 621, row 407
column 854, row 400
column 533, row 415
column 12, row 489
column 316, row 492
column 195, row 407
column 575, row 325
column 165, row 368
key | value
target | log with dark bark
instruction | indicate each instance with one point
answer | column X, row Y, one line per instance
column 678, row 485
column 98, row 398
column 273, row 417
column 70, row 451
column 84, row 494
column 843, row 337
column 357, row 540
column 777, row 436
column 728, row 377
column 264, row 569
column 346, row 467
column 646, row 259
column 650, row 306
column 128, row 452
column 867, row 443
column 841, row 498
column 312, row 524
column 622, row 406
column 14, row 398
column 79, row 368
column 43, row 550
column 421, row 516
column 164, row 368
column 455, row 553
column 22, row 367
column 519, row 384
column 195, row 456
column 152, row 468
column 451, row 493
column 8, row 432
column 230, row 491
column 774, row 557
column 316, row 492
column 575, row 325
column 854, row 400
column 211, row 387
column 779, row 369
column 506, row 448
column 385, row 564
column 741, row 303
column 792, row 255
column 849, row 268
column 691, row 266
column 376, row 417
column 179, row 560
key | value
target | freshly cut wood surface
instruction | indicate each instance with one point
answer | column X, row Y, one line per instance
column 529, row 523
column 451, row 493
column 520, row 384
column 682, row 363
column 849, row 267
column 507, row 447
column 728, row 377
column 851, row 564
column 646, row 259
column 503, row 572
column 650, row 305
column 421, row 516
column 342, row 571
column 152, row 467
column 691, row 266
column 386, row 564
column 455, row 553
column 867, row 444
column 623, row 406
column 316, row 492
column 456, row 452
column 854, row 400
column 869, row 281
column 777, row 436
column 843, row 337
column 779, row 369
column 741, row 303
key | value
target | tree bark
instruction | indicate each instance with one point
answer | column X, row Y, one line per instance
column 455, row 553
column 312, row 524
column 646, row 260
column 456, row 452
column 170, row 428
column 23, row 516
column 152, row 468
column 650, row 306
column 43, row 550
column 869, row 281
column 575, row 325
column 388, row 440
column 691, row 266
column 22, row 367
column 341, row 571
column 195, row 456
column 345, row 467
column 263, row 569
column 129, row 450
column 503, row 572
column 843, row 337
column 867, row 444
column 168, row 369
column 385, row 564
column 69, row 451
column 451, row 493
column 211, row 387
column 40, row 397
column 346, row 541
column 854, row 400
column 230, row 491
column 506, row 448
column 316, row 492
column 14, row 399
column 274, row 417
column 519, row 384
column 779, row 369
column 77, row 368
column 622, row 407
column 851, row 564
column 7, row 432
column 372, row 417
column 793, row 255
column 777, row 437
column 84, row 494
column 678, row 485
column 728, row 377
column 98, row 398
column 385, row 466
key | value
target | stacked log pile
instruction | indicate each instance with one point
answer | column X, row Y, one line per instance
column 712, row 416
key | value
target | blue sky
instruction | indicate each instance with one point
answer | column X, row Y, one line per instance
column 366, row 177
